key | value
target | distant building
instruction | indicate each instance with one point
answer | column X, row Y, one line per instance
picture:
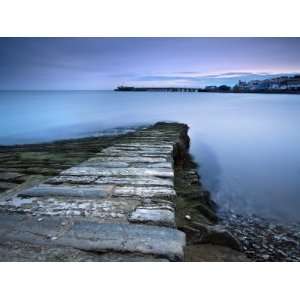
column 284, row 83
column 293, row 83
column 211, row 88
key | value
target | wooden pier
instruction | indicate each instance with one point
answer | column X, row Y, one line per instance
column 157, row 89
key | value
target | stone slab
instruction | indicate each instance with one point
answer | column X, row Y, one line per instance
column 107, row 164
column 148, row 191
column 167, row 165
column 152, row 151
column 145, row 145
column 83, row 191
column 136, row 238
column 104, row 210
column 144, row 149
column 129, row 159
column 94, row 171
column 161, row 242
column 156, row 215
column 136, row 181
column 103, row 199
column 72, row 179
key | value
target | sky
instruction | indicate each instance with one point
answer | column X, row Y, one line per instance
column 105, row 63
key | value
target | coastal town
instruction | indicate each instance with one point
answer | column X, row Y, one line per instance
column 283, row 84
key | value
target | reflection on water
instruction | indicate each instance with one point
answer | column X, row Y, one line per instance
column 247, row 145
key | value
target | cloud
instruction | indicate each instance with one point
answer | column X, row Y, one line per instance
column 198, row 79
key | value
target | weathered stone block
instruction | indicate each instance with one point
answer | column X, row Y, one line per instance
column 72, row 179
column 160, row 172
column 107, row 164
column 161, row 241
column 146, row 191
column 153, row 215
column 144, row 145
column 136, row 181
column 128, row 159
column 95, row 191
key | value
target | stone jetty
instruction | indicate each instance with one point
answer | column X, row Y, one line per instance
column 119, row 205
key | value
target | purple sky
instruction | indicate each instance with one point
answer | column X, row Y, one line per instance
column 104, row 63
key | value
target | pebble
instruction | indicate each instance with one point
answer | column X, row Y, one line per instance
column 188, row 217
column 264, row 240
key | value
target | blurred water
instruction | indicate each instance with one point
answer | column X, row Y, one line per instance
column 247, row 145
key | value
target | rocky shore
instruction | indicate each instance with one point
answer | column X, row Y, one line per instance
column 62, row 218
column 118, row 203
column 262, row 239
column 64, row 201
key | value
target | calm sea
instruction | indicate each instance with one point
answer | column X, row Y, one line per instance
column 247, row 145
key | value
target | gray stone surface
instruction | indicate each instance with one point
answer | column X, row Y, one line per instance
column 72, row 179
column 26, row 252
column 94, row 171
column 7, row 185
column 102, row 199
column 83, row 191
column 104, row 210
column 136, row 181
column 148, row 191
column 9, row 175
column 161, row 241
column 167, row 165
column 129, row 159
column 152, row 151
column 143, row 145
column 106, row 164
column 157, row 215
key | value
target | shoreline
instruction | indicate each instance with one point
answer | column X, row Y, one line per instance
column 220, row 92
column 204, row 225
column 193, row 204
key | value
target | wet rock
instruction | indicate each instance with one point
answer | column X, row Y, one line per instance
column 148, row 150
column 213, row 253
column 72, row 179
column 167, row 165
column 7, row 185
column 157, row 215
column 106, row 164
column 147, row 191
column 90, row 191
column 143, row 145
column 285, row 241
column 206, row 211
column 128, row 159
column 127, row 183
column 9, row 175
column 218, row 235
column 163, row 241
column 136, row 181
column 160, row 172
column 265, row 240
